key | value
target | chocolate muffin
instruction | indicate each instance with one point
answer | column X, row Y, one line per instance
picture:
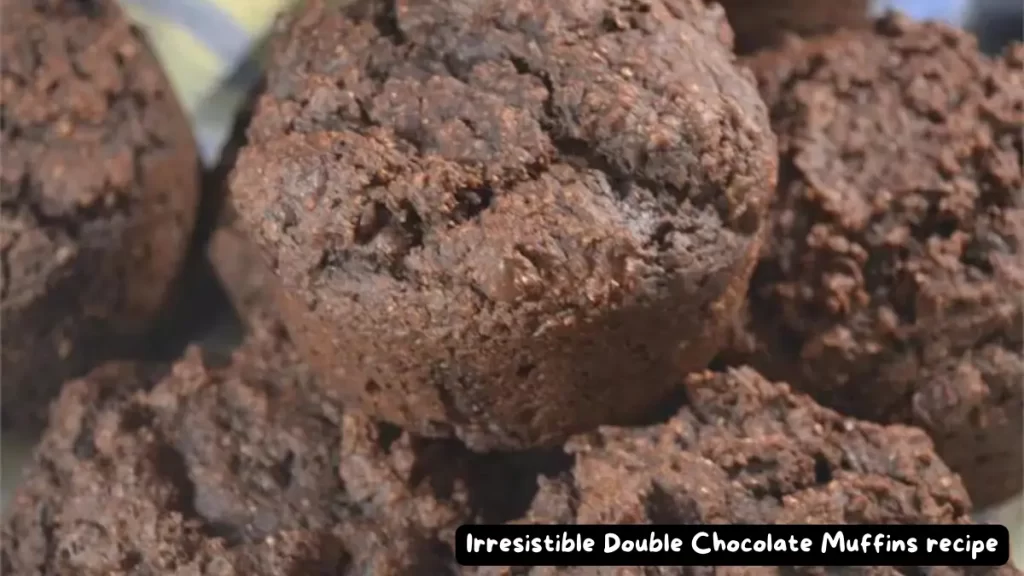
column 745, row 450
column 487, row 215
column 890, row 286
column 99, row 187
column 753, row 451
column 221, row 471
column 246, row 469
column 759, row 24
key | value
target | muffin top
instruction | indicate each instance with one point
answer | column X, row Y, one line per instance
column 896, row 237
column 416, row 145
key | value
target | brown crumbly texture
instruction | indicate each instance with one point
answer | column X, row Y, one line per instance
column 745, row 450
column 221, row 471
column 759, row 24
column 486, row 215
column 890, row 285
column 98, row 185
column 244, row 469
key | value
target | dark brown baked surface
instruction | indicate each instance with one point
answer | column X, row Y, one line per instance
column 99, row 186
column 233, row 470
column 244, row 469
column 487, row 215
column 745, row 450
column 890, row 285
column 759, row 24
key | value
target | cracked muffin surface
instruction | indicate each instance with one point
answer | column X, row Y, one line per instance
column 98, row 191
column 243, row 469
column 889, row 287
column 744, row 450
column 485, row 215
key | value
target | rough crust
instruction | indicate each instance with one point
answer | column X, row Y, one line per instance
column 890, row 286
column 245, row 469
column 745, row 450
column 242, row 469
column 99, row 187
column 486, row 215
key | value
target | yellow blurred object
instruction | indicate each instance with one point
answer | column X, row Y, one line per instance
column 256, row 16
column 201, row 43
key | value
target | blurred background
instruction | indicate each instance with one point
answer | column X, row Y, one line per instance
column 211, row 50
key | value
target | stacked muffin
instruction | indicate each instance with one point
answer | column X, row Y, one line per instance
column 486, row 251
